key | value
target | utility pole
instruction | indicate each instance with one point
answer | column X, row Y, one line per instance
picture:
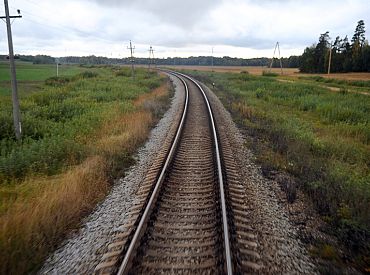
column 329, row 58
column 57, row 60
column 174, row 59
column 16, row 112
column 151, row 57
column 277, row 46
column 132, row 60
column 212, row 59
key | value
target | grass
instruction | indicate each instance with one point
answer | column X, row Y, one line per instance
column 269, row 73
column 320, row 137
column 27, row 71
column 340, row 82
column 79, row 133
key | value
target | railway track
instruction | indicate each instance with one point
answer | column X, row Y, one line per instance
column 190, row 216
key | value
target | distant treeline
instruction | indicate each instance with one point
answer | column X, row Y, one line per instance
column 291, row 62
column 346, row 56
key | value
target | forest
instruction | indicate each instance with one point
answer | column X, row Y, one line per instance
column 346, row 55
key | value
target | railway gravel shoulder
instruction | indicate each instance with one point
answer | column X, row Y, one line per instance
column 274, row 245
column 83, row 250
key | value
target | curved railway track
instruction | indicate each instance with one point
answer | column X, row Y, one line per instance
column 190, row 216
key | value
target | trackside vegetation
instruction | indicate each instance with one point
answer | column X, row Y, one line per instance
column 320, row 137
column 80, row 131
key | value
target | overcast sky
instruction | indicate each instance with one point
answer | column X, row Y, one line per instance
column 237, row 28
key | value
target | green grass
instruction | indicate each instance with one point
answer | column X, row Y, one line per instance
column 267, row 73
column 338, row 82
column 55, row 118
column 80, row 132
column 27, row 71
column 320, row 137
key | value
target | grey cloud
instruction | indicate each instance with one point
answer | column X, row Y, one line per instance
column 255, row 24
column 183, row 13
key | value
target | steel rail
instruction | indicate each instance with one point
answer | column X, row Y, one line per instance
column 141, row 227
column 220, row 179
column 143, row 221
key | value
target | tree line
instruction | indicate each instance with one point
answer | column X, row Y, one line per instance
column 346, row 56
column 289, row 62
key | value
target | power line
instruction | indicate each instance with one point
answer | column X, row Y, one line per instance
column 60, row 27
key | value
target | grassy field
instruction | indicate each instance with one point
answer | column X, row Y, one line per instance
column 320, row 137
column 291, row 73
column 79, row 133
column 254, row 70
column 27, row 71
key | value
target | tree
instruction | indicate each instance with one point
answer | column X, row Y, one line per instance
column 308, row 63
column 358, row 41
column 337, row 57
column 359, row 35
column 366, row 57
column 321, row 52
column 347, row 55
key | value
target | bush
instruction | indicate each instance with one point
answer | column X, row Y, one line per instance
column 267, row 73
column 56, row 118
column 57, row 81
column 87, row 74
column 124, row 72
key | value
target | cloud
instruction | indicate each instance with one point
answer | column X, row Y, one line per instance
column 185, row 14
column 193, row 26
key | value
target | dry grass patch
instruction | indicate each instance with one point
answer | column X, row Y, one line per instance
column 34, row 224
column 44, row 209
column 161, row 91
column 123, row 133
column 254, row 70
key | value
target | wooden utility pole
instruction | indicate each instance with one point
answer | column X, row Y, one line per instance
column 151, row 57
column 57, row 60
column 277, row 46
column 329, row 58
column 212, row 59
column 132, row 60
column 16, row 112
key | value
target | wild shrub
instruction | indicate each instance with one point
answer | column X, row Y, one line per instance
column 55, row 119
column 123, row 72
column 267, row 73
column 87, row 74
column 57, row 81
column 76, row 139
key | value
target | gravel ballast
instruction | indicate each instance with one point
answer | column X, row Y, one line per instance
column 82, row 251
column 279, row 246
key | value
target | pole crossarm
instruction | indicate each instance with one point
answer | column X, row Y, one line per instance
column 11, row 16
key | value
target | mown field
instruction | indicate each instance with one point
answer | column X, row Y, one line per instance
column 320, row 137
column 79, row 133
